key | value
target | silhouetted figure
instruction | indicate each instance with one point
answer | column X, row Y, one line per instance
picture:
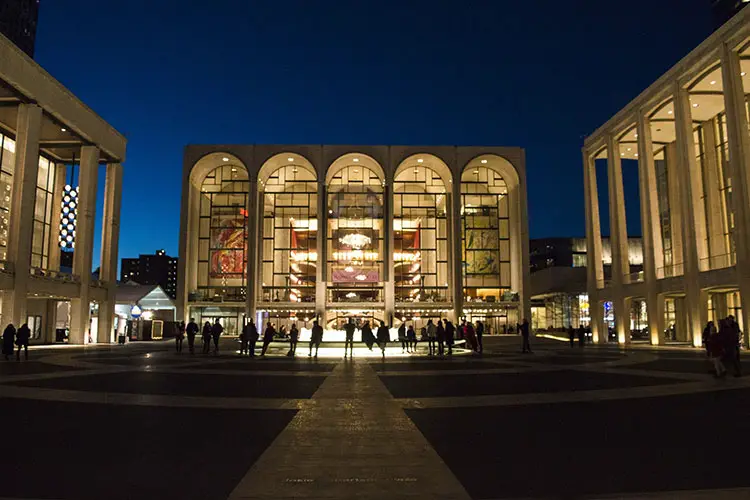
column 581, row 336
column 243, row 339
column 192, row 330
column 293, row 338
column 367, row 336
column 206, row 337
column 440, row 335
column 267, row 338
column 450, row 331
column 731, row 341
column 384, row 337
column 216, row 331
column 22, row 341
column 402, row 337
column 180, row 336
column 431, row 337
column 470, row 336
column 480, row 334
column 9, row 340
column 523, row 329
column 461, row 331
column 316, row 337
column 715, row 350
column 252, row 338
column 571, row 336
column 349, row 329
column 707, row 331
column 411, row 339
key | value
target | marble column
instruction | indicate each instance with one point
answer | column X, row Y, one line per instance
column 675, row 213
column 594, row 266
column 456, row 250
column 21, row 227
column 84, row 242
column 388, row 244
column 320, row 249
column 254, row 239
column 109, row 247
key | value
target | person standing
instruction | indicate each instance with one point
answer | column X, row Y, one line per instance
column 252, row 338
column 180, row 336
column 216, row 331
column 316, row 337
column 349, row 328
column 707, row 331
column 431, row 336
column 732, row 346
column 267, row 338
column 470, row 336
column 715, row 351
column 9, row 340
column 243, row 340
column 384, row 337
column 450, row 331
column 192, row 330
column 22, row 341
column 440, row 334
column 402, row 336
column 581, row 336
column 367, row 336
column 480, row 334
column 411, row 339
column 571, row 335
column 523, row 328
column 293, row 337
column 206, row 337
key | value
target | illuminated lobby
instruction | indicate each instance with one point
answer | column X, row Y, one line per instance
column 290, row 234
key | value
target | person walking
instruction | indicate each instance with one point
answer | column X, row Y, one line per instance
column 216, row 331
column 267, row 338
column 383, row 336
column 480, row 334
column 206, row 337
column 715, row 351
column 431, row 336
column 402, row 336
column 22, row 341
column 571, row 335
column 9, row 340
column 316, row 337
column 450, row 331
column 707, row 331
column 367, row 336
column 349, row 328
column 581, row 336
column 192, row 330
column 411, row 339
column 180, row 336
column 243, row 339
column 523, row 328
column 293, row 337
column 440, row 335
column 252, row 338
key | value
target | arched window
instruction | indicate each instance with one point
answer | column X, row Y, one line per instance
column 485, row 235
column 222, row 234
column 290, row 228
column 420, row 236
column 355, row 232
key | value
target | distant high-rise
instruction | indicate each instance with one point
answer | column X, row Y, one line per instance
column 18, row 19
column 724, row 10
column 157, row 269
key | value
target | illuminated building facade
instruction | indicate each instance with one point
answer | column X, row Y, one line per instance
column 375, row 233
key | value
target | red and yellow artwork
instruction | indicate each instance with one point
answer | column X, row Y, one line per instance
column 228, row 245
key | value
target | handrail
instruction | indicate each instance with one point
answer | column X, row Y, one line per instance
column 54, row 275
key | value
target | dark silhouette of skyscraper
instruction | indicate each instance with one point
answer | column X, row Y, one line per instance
column 18, row 19
column 157, row 269
column 723, row 10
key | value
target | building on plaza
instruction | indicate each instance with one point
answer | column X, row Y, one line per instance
column 157, row 269
column 44, row 130
column 384, row 233
column 559, row 295
column 679, row 134
column 724, row 10
column 18, row 20
column 143, row 312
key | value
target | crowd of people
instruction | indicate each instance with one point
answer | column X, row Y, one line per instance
column 723, row 346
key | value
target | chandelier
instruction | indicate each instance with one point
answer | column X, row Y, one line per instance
column 356, row 241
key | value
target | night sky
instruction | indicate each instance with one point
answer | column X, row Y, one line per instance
column 537, row 74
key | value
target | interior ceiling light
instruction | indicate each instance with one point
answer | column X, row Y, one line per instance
column 695, row 105
column 743, row 73
column 669, row 112
column 712, row 82
column 420, row 160
column 290, row 159
column 355, row 160
column 355, row 240
column 225, row 159
column 63, row 129
column 484, row 161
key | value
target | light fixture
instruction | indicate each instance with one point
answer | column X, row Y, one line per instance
column 356, row 241
column 63, row 129
column 622, row 154
column 712, row 82
column 420, row 160
column 290, row 159
column 484, row 161
column 225, row 159
column 355, row 160
column 630, row 149
column 695, row 105
column 669, row 112
column 743, row 73
column 234, row 169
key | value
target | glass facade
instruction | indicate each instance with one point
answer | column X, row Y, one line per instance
column 7, row 165
column 725, row 182
column 665, row 223
column 43, row 209
column 222, row 235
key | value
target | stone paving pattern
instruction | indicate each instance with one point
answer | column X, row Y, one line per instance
column 140, row 421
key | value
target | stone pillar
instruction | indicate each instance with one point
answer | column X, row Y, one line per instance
column 321, row 265
column 109, row 247
column 594, row 266
column 187, row 264
column 457, row 250
column 719, row 303
column 84, row 242
column 388, row 243
column 694, row 223
column 253, row 267
column 675, row 211
column 653, row 253
column 739, row 151
column 54, row 245
column 21, row 227
column 717, row 248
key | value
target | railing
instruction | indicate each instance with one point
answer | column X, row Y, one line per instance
column 504, row 297
column 718, row 261
column 343, row 295
column 55, row 275
column 422, row 294
column 670, row 271
column 288, row 294
column 218, row 294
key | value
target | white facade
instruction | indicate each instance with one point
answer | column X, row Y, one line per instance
column 687, row 135
column 379, row 233
column 43, row 128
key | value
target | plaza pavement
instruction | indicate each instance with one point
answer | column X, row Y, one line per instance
column 140, row 421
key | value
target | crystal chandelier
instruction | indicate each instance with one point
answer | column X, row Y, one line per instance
column 356, row 241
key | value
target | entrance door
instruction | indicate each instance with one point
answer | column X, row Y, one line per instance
column 35, row 325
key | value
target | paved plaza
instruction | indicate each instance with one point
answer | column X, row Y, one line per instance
column 140, row 421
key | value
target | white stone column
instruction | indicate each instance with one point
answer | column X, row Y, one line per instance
column 84, row 243
column 187, row 264
column 653, row 253
column 57, row 196
column 712, row 200
column 254, row 239
column 390, row 291
column 739, row 151
column 694, row 222
column 594, row 266
column 457, row 247
column 675, row 211
column 21, row 227
column 109, row 248
column 321, row 266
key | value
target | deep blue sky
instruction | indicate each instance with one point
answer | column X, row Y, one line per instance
column 537, row 74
